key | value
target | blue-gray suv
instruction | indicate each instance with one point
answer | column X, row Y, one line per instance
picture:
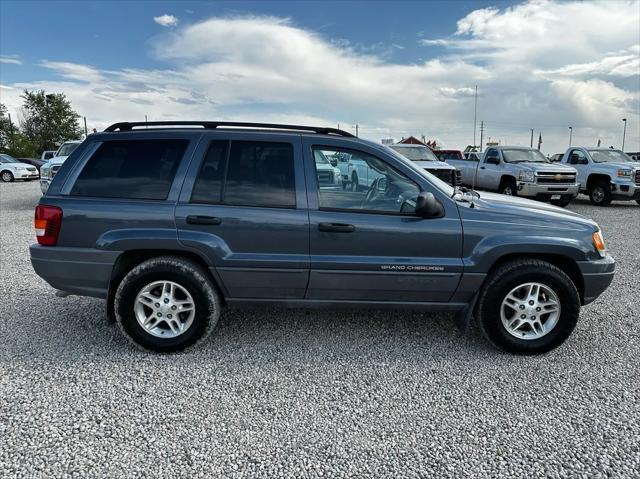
column 170, row 222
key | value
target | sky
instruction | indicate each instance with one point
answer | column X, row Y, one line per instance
column 394, row 68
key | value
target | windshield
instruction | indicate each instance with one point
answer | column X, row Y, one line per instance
column 67, row 149
column 4, row 158
column 435, row 181
column 604, row 156
column 415, row 153
column 445, row 155
column 520, row 156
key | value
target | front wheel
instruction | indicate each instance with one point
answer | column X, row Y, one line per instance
column 7, row 176
column 600, row 193
column 166, row 304
column 508, row 187
column 528, row 306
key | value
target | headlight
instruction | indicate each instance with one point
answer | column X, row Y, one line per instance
column 526, row 176
column 624, row 173
column 598, row 242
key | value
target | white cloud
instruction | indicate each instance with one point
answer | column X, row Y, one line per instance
column 166, row 20
column 10, row 59
column 531, row 70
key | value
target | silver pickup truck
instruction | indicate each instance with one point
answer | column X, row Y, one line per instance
column 515, row 170
column 605, row 174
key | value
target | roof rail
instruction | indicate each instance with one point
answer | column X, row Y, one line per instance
column 212, row 125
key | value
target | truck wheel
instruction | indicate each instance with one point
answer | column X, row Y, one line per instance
column 508, row 187
column 354, row 182
column 166, row 304
column 562, row 203
column 6, row 176
column 600, row 193
column 528, row 306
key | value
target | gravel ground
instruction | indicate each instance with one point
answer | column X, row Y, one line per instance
column 279, row 393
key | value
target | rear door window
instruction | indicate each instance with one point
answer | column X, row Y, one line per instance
column 137, row 169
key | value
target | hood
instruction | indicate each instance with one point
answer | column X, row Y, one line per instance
column 57, row 160
column 552, row 167
column 433, row 165
column 620, row 165
column 522, row 210
column 15, row 165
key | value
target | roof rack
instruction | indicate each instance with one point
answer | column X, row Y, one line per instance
column 212, row 125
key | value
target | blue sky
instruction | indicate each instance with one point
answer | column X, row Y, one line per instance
column 396, row 68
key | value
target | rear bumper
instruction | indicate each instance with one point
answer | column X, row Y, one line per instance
column 536, row 190
column 81, row 271
column 597, row 276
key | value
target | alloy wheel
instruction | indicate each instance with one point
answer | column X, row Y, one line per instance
column 530, row 311
column 164, row 309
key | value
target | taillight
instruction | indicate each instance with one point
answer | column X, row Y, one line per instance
column 47, row 222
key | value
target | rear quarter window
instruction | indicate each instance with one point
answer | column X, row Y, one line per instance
column 137, row 169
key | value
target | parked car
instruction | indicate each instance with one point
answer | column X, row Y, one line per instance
column 328, row 175
column 171, row 224
column 47, row 155
column 605, row 174
column 12, row 169
column 425, row 158
column 515, row 170
column 33, row 162
column 51, row 167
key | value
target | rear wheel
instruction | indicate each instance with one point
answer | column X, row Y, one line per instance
column 166, row 304
column 528, row 307
column 6, row 176
column 600, row 193
column 508, row 187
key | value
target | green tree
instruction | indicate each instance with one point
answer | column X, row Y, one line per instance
column 12, row 141
column 48, row 119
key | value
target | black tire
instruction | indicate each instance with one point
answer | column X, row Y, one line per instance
column 187, row 274
column 6, row 176
column 600, row 193
column 354, row 182
column 505, row 279
column 508, row 187
column 562, row 203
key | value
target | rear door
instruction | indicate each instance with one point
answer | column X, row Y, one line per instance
column 243, row 205
column 367, row 246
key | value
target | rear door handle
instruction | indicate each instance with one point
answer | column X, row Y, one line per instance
column 336, row 227
column 203, row 220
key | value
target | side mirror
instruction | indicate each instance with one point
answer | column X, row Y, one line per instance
column 334, row 162
column 427, row 206
column 493, row 160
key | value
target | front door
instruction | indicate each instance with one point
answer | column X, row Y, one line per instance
column 579, row 161
column 243, row 206
column 489, row 174
column 367, row 245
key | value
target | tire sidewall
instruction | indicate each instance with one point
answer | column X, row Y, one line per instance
column 511, row 185
column 606, row 197
column 128, row 290
column 10, row 176
column 569, row 310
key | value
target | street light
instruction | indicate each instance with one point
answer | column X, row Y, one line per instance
column 624, row 132
column 570, row 135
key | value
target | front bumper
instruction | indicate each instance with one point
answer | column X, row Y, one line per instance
column 537, row 190
column 26, row 175
column 625, row 190
column 597, row 276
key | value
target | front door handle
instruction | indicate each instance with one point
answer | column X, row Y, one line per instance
column 203, row 220
column 336, row 227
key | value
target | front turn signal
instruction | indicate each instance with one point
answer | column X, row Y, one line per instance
column 598, row 242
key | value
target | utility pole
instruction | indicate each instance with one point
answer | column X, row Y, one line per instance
column 481, row 134
column 531, row 138
column 624, row 132
column 85, row 127
column 145, row 121
column 475, row 114
column 356, row 125
column 10, row 123
column 570, row 135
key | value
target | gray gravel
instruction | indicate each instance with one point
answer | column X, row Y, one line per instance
column 309, row 394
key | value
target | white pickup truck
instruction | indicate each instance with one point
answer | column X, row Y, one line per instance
column 605, row 174
column 521, row 171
